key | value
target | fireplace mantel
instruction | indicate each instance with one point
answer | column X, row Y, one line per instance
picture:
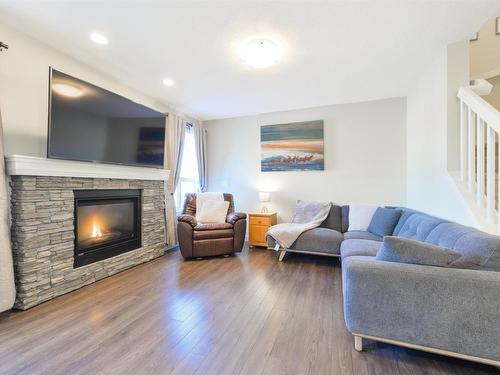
column 20, row 165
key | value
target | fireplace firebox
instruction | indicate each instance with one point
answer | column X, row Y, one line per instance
column 107, row 223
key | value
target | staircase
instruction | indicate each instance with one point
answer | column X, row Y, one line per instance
column 477, row 179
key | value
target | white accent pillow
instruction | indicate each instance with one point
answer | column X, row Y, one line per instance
column 201, row 198
column 360, row 216
column 212, row 211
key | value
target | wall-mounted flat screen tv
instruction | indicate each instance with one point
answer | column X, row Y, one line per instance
column 88, row 123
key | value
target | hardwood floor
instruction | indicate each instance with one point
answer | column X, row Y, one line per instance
column 247, row 314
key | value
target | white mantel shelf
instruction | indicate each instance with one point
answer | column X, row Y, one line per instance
column 19, row 165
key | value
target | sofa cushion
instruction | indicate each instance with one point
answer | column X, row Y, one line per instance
column 345, row 218
column 447, row 234
column 361, row 235
column 419, row 226
column 334, row 219
column 479, row 250
column 322, row 240
column 356, row 247
column 405, row 214
column 405, row 250
column 384, row 221
column 208, row 231
column 360, row 216
column 212, row 234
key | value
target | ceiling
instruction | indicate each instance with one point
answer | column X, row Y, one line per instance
column 335, row 51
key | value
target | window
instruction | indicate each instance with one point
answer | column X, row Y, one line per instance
column 189, row 169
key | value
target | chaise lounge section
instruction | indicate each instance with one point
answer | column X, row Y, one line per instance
column 449, row 311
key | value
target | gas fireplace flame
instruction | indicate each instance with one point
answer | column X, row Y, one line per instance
column 96, row 230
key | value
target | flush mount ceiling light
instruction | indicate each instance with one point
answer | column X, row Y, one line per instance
column 260, row 53
column 67, row 90
column 99, row 38
column 168, row 82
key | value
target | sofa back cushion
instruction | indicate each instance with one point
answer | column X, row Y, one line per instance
column 418, row 226
column 405, row 214
column 447, row 234
column 345, row 218
column 479, row 250
column 334, row 219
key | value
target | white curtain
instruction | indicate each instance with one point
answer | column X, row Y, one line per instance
column 176, row 131
column 200, row 139
column 7, row 286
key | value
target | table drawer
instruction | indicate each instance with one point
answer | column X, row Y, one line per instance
column 260, row 220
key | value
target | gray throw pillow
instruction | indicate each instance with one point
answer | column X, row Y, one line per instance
column 405, row 250
column 384, row 221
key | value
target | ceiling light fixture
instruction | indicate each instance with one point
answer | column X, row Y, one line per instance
column 67, row 90
column 260, row 53
column 99, row 38
column 168, row 82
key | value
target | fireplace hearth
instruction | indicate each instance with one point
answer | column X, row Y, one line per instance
column 107, row 223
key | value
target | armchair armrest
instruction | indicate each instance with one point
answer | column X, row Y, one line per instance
column 233, row 217
column 191, row 220
column 444, row 308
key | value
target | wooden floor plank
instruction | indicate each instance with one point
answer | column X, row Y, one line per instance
column 246, row 314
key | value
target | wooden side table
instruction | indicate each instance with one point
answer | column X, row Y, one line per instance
column 258, row 225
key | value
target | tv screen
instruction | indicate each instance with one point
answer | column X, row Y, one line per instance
column 88, row 123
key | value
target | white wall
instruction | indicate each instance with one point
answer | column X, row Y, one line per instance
column 365, row 157
column 494, row 96
column 485, row 51
column 485, row 59
column 429, row 186
column 457, row 76
column 24, row 85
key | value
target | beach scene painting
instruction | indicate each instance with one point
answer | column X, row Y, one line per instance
column 297, row 146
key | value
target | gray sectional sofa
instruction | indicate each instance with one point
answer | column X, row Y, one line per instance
column 450, row 311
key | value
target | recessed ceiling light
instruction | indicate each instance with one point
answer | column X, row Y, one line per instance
column 260, row 53
column 67, row 90
column 168, row 82
column 99, row 38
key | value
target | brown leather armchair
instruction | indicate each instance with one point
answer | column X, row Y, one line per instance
column 201, row 240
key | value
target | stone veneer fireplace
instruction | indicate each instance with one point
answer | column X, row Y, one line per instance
column 55, row 252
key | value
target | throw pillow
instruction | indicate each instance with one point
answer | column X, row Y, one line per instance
column 212, row 212
column 405, row 250
column 384, row 221
column 360, row 216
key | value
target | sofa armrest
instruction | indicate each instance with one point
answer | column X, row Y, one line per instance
column 233, row 217
column 191, row 220
column 445, row 308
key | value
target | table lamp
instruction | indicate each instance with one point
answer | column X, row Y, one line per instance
column 264, row 198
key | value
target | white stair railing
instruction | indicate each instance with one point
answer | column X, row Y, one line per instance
column 479, row 136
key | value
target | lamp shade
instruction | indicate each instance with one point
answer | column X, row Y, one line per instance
column 264, row 196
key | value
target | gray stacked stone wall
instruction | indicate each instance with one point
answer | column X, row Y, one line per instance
column 42, row 233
